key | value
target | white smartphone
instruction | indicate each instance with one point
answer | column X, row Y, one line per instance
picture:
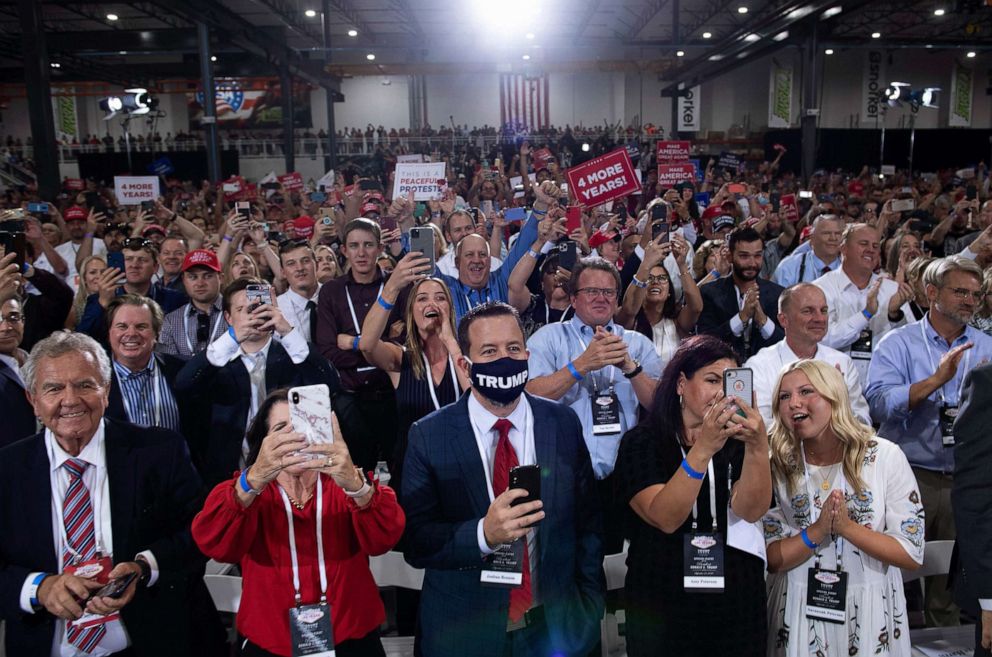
column 310, row 412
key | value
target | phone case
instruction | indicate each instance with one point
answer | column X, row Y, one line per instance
column 310, row 412
column 422, row 239
column 527, row 477
column 739, row 382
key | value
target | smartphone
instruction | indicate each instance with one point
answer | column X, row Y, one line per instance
column 659, row 212
column 475, row 216
column 486, row 207
column 328, row 214
column 527, row 477
column 387, row 223
column 230, row 188
column 515, row 214
column 310, row 413
column 148, row 206
column 573, row 218
column 116, row 587
column 903, row 204
column 907, row 190
column 661, row 228
column 369, row 185
column 318, row 197
column 567, row 258
column 737, row 188
column 258, row 295
column 805, row 194
column 115, row 259
column 244, row 209
column 270, row 185
column 564, row 192
column 971, row 193
column 38, row 208
column 622, row 212
column 776, row 199
column 14, row 242
column 422, row 239
column 739, row 382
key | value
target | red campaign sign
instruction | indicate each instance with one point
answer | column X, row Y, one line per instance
column 788, row 208
column 232, row 187
column 543, row 158
column 75, row 184
column 293, row 182
column 670, row 175
column 673, row 151
column 603, row 179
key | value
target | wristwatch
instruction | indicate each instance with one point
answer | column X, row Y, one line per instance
column 146, row 571
column 638, row 368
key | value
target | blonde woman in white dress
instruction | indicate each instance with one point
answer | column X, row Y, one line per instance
column 847, row 508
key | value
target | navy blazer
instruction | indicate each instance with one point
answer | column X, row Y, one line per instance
column 17, row 419
column 154, row 494
column 170, row 366
column 445, row 495
column 224, row 395
column 720, row 305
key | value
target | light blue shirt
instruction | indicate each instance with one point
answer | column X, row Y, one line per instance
column 903, row 357
column 553, row 346
column 787, row 272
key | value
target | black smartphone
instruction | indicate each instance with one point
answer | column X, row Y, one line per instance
column 270, row 185
column 38, row 208
column 567, row 258
column 244, row 209
column 661, row 228
column 116, row 587
column 527, row 477
column 115, row 259
column 14, row 243
column 422, row 239
column 776, row 200
column 369, row 185
column 148, row 206
column 659, row 212
column 971, row 192
column 622, row 212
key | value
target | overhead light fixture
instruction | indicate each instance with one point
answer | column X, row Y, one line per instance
column 133, row 102
column 828, row 51
column 521, row 15
column 876, row 35
column 750, row 38
column 680, row 53
column 585, row 147
column 112, row 17
column 121, row 52
column 370, row 57
column 530, row 36
column 213, row 58
column 525, row 57
column 798, row 13
column 56, row 65
column 971, row 54
column 715, row 58
column 781, row 36
column 831, row 12
column 894, row 93
column 742, row 9
column 707, row 35
column 310, row 13
column 938, row 12
column 352, row 33
column 899, row 92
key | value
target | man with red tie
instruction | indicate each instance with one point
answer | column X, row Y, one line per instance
column 503, row 576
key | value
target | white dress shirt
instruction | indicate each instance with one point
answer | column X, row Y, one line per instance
column 96, row 481
column 737, row 325
column 446, row 263
column 845, row 303
column 770, row 361
column 294, row 308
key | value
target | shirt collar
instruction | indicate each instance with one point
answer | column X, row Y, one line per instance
column 218, row 304
column 933, row 336
column 588, row 331
column 94, row 453
column 848, row 283
column 124, row 372
column 262, row 353
column 300, row 301
column 485, row 420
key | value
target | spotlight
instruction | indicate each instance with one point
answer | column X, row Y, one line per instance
column 56, row 65
column 828, row 51
column 938, row 12
column 526, row 57
column 530, row 36
column 352, row 33
column 370, row 57
column 585, row 147
column 876, row 35
column 831, row 12
column 680, row 53
column 134, row 102
column 707, row 35
column 971, row 54
column 898, row 92
column 894, row 93
column 213, row 58
column 310, row 13
column 112, row 17
column 742, row 9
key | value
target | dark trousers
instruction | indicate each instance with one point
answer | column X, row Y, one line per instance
column 532, row 640
column 613, row 515
column 368, row 646
column 378, row 439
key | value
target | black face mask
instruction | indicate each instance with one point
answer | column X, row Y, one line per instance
column 501, row 381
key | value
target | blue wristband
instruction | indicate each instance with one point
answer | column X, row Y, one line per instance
column 354, row 343
column 695, row 474
column 385, row 304
column 230, row 332
column 245, row 486
column 808, row 541
column 39, row 578
column 575, row 373
column 539, row 213
column 867, row 314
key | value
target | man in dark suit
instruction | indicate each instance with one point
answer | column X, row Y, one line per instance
column 91, row 499
column 259, row 353
column 971, row 499
column 742, row 309
column 460, row 511
column 18, row 416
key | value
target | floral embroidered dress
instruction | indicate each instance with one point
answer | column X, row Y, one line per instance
column 876, row 607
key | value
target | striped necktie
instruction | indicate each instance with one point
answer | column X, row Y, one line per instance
column 521, row 597
column 80, row 532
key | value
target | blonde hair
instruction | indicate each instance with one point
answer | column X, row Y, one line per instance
column 984, row 310
column 414, row 349
column 79, row 300
column 786, row 451
column 228, row 277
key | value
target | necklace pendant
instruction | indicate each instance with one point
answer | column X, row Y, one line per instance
column 825, row 485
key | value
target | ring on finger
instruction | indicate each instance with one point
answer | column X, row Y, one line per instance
column 330, row 461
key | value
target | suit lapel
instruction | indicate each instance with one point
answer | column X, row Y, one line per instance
column 121, row 482
column 466, row 451
column 38, row 489
column 546, row 451
column 9, row 373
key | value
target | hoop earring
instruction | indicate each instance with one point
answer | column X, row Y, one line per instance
column 681, row 402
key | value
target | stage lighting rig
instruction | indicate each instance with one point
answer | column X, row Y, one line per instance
column 133, row 102
column 898, row 93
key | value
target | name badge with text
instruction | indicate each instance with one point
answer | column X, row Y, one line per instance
column 948, row 414
column 826, row 595
column 505, row 566
column 605, row 413
column 704, row 570
column 310, row 631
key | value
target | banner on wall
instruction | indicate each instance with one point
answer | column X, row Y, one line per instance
column 66, row 121
column 242, row 103
column 780, row 96
column 962, row 92
column 872, row 87
column 688, row 119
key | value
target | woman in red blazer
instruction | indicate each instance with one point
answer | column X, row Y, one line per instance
column 334, row 509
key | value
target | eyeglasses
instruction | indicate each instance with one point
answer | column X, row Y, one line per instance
column 660, row 278
column 961, row 294
column 12, row 318
column 593, row 292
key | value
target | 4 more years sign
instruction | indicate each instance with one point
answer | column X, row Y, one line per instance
column 603, row 179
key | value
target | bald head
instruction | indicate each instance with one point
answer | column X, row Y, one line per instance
column 472, row 261
column 802, row 312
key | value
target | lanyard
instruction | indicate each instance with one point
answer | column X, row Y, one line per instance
column 156, row 393
column 547, row 313
column 351, row 307
column 430, row 379
column 96, row 499
column 967, row 355
column 711, row 478
column 838, row 541
column 322, row 567
column 582, row 342
column 213, row 329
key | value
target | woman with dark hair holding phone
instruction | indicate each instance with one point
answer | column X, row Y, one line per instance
column 422, row 370
column 849, row 510
column 695, row 472
column 298, row 518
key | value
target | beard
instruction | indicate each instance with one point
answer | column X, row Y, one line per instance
column 745, row 274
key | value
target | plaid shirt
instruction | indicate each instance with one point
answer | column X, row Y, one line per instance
column 180, row 328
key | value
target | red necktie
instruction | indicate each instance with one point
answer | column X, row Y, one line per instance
column 77, row 514
column 521, row 597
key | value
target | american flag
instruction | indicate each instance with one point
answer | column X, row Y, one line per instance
column 523, row 100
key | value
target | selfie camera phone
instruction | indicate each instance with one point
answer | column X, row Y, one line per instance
column 15, row 242
column 659, row 212
column 38, row 208
column 422, row 239
column 739, row 382
column 568, row 257
column 116, row 587
column 527, row 477
column 310, row 413
column 661, row 228
column 258, row 295
column 244, row 209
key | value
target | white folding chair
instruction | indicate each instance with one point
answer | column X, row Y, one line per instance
column 937, row 640
column 615, row 569
column 218, row 568
column 391, row 569
column 225, row 590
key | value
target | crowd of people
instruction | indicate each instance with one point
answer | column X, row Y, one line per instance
column 506, row 409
